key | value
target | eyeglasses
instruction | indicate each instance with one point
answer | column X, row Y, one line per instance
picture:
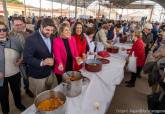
column 3, row 30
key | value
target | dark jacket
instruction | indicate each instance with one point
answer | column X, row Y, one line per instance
column 148, row 40
column 153, row 69
column 35, row 51
column 110, row 34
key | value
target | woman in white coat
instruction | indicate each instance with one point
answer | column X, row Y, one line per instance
column 89, row 37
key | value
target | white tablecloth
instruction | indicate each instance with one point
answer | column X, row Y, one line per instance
column 100, row 91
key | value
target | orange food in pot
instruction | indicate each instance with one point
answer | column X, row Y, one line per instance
column 72, row 78
column 50, row 104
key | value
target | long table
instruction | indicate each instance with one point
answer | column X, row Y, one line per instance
column 97, row 95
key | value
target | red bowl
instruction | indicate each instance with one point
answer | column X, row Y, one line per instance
column 103, row 54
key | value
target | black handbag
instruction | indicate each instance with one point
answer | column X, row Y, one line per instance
column 153, row 101
column 156, row 103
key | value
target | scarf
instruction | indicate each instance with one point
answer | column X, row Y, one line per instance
column 2, row 62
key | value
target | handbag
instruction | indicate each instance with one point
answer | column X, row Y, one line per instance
column 156, row 102
column 51, row 81
column 132, row 67
column 153, row 101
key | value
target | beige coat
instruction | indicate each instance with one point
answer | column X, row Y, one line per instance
column 101, row 37
column 156, row 55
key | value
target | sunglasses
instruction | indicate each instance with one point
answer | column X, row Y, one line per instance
column 3, row 30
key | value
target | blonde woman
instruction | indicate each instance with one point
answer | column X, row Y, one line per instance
column 65, row 52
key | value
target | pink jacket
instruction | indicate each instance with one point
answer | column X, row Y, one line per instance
column 60, row 54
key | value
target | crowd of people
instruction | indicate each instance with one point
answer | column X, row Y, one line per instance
column 53, row 46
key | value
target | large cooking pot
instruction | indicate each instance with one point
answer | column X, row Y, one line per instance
column 93, row 65
column 123, row 39
column 113, row 49
column 48, row 95
column 72, row 83
column 103, row 61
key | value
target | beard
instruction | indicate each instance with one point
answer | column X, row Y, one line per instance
column 47, row 35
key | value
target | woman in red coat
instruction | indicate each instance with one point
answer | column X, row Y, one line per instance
column 139, row 52
column 81, row 42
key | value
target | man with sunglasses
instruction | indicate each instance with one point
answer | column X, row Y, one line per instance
column 11, row 48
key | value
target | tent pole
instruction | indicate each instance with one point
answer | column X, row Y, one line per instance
column 99, row 10
column 84, row 7
column 161, row 15
column 151, row 14
column 52, row 8
column 69, row 8
column 5, row 13
column 40, row 9
column 25, row 8
column 76, row 9
column 110, row 11
column 61, row 9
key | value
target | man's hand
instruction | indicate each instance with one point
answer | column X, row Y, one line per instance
column 145, row 45
column 110, row 46
column 48, row 61
column 109, row 42
column 156, row 55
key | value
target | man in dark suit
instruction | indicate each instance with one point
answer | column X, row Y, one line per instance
column 38, row 55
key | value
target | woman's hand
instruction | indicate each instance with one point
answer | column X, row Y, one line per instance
column 60, row 67
column 79, row 60
column 84, row 56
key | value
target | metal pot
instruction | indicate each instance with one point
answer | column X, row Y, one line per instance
column 93, row 65
column 72, row 88
column 49, row 94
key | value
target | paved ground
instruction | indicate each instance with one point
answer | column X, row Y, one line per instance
column 130, row 100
